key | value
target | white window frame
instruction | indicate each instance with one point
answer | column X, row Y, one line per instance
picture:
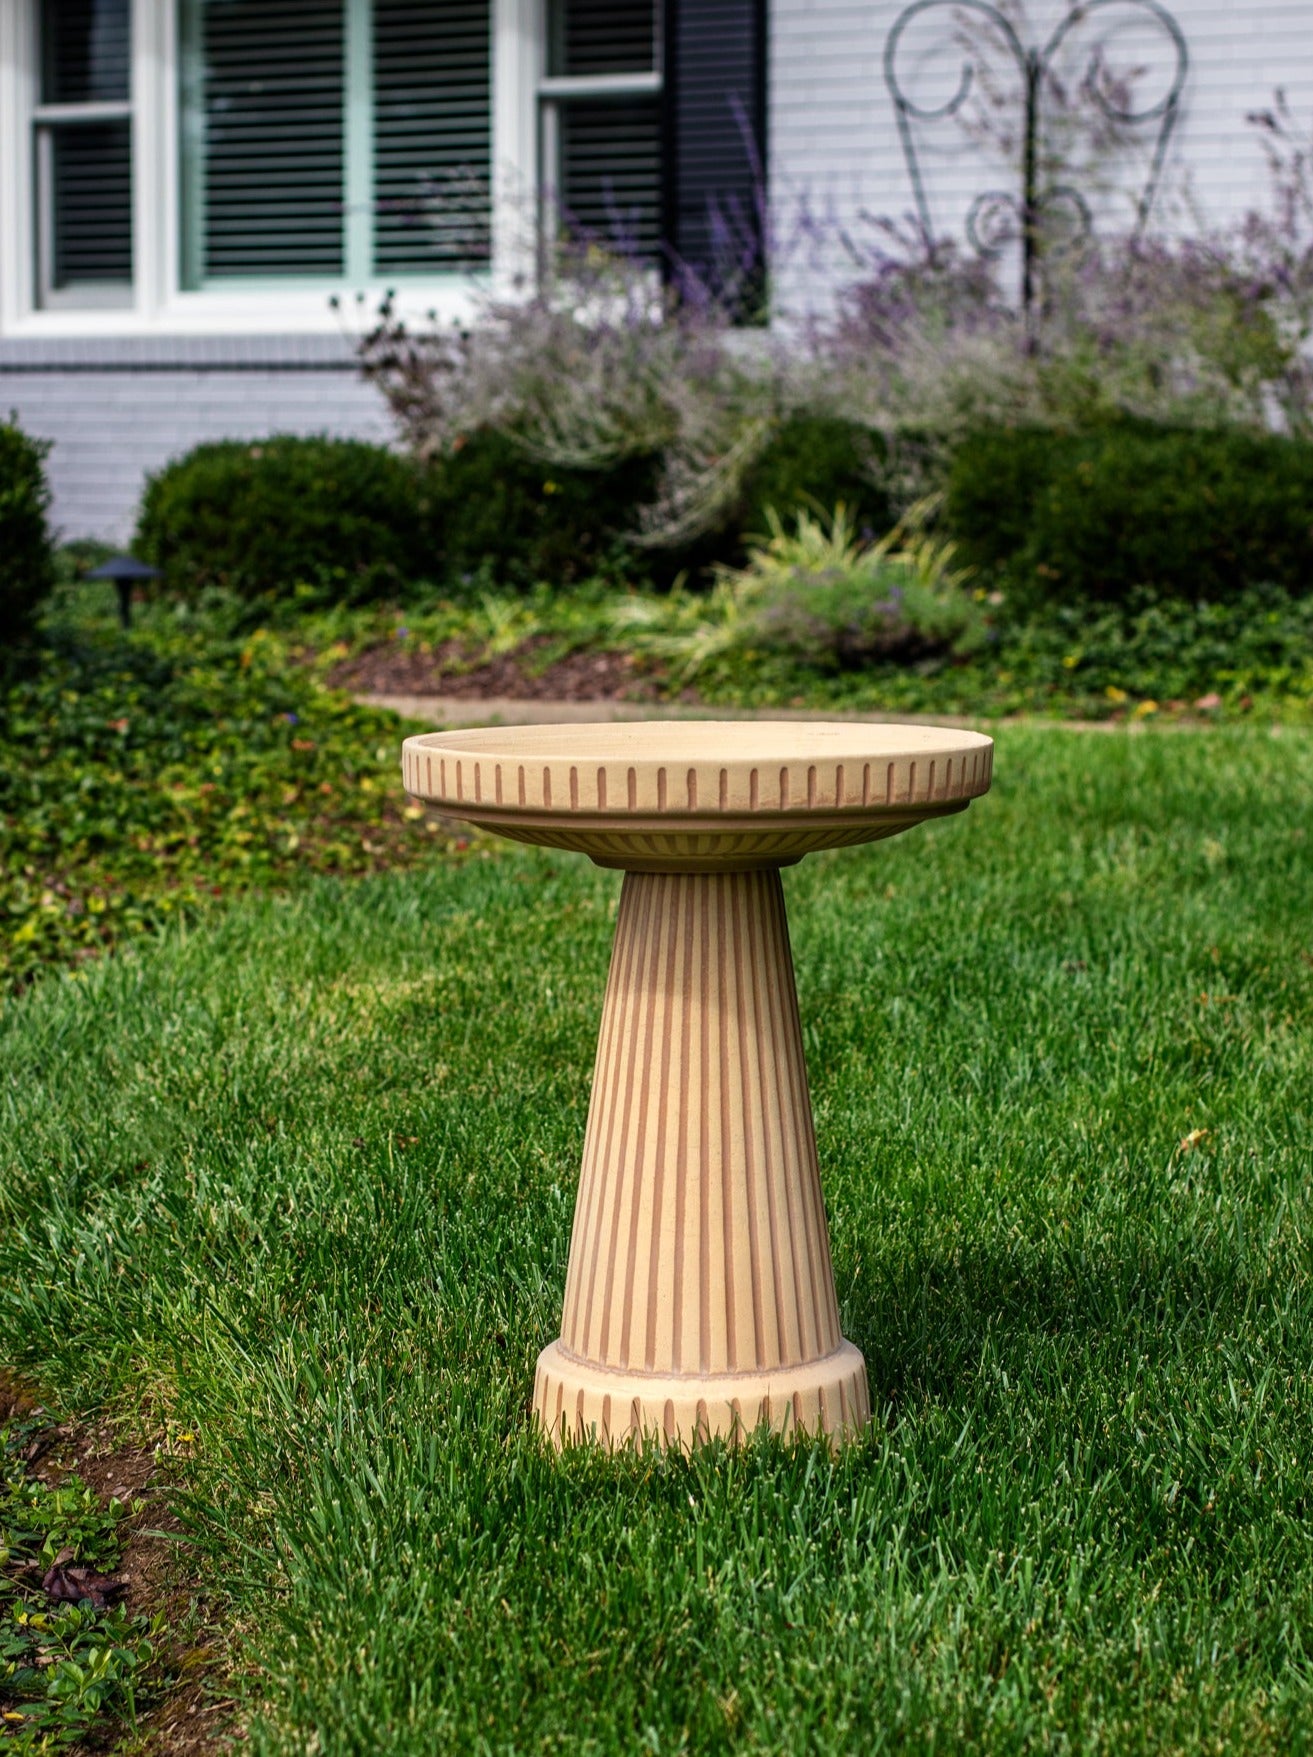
column 157, row 306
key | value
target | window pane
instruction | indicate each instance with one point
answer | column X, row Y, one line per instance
column 84, row 51
column 611, row 173
column 432, row 134
column 91, row 197
column 603, row 36
column 718, row 126
column 263, row 131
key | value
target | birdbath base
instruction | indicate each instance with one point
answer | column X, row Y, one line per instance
column 699, row 1298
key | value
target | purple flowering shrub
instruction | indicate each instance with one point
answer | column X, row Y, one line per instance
column 1193, row 332
column 923, row 346
column 601, row 367
column 598, row 364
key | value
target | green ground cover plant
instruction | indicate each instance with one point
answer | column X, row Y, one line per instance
column 144, row 776
column 301, row 1179
column 65, row 1668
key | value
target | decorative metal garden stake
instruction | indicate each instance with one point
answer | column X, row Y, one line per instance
column 1035, row 66
column 126, row 572
column 699, row 1298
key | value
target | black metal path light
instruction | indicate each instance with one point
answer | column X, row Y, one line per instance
column 125, row 571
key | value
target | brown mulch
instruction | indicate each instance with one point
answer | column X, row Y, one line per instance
column 194, row 1715
column 518, row 676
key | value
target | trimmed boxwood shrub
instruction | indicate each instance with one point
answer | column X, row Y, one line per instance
column 809, row 462
column 817, row 461
column 354, row 521
column 1096, row 516
column 27, row 563
column 341, row 516
column 493, row 506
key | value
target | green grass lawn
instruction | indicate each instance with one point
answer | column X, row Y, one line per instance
column 298, row 1180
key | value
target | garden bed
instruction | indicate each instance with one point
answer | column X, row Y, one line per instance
column 531, row 672
column 585, row 649
column 155, row 776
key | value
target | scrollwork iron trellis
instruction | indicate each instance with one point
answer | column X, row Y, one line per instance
column 988, row 208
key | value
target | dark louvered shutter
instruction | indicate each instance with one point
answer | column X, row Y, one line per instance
column 715, row 141
column 270, row 107
column 601, row 36
column 432, row 134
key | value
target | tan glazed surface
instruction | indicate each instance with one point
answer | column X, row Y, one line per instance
column 699, row 1296
column 699, row 795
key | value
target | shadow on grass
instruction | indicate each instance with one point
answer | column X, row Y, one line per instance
column 928, row 1325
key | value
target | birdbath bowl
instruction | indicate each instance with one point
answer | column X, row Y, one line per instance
column 699, row 1297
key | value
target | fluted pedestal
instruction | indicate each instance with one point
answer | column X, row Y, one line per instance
column 699, row 1298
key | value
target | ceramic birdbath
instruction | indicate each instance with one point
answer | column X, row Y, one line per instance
column 699, row 1297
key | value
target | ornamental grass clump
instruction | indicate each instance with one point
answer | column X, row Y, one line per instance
column 823, row 597
column 839, row 603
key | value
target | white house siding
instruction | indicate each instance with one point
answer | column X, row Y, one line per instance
column 117, row 409
column 835, row 147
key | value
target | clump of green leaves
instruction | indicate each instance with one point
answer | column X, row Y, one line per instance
column 839, row 602
column 63, row 1670
column 62, row 1667
column 143, row 776
column 822, row 596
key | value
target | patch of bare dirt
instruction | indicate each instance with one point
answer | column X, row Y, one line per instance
column 194, row 1714
column 449, row 670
